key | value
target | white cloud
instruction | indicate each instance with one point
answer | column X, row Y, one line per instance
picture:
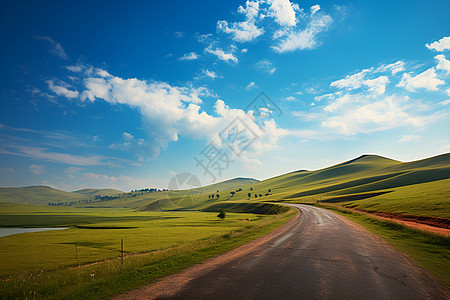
column 290, row 39
column 315, row 8
column 445, row 102
column 244, row 31
column 339, row 102
column 266, row 66
column 244, row 50
column 76, row 68
column 62, row 89
column 241, row 31
column 408, row 138
column 210, row 74
column 441, row 45
column 127, row 136
column 358, row 115
column 203, row 38
column 427, row 80
column 377, row 85
column 222, row 55
column 57, row 49
column 355, row 81
column 351, row 82
column 132, row 144
column 250, row 86
column 36, row 169
column 169, row 112
column 290, row 98
column 44, row 154
column 283, row 11
column 443, row 64
column 189, row 56
column 327, row 96
column 396, row 67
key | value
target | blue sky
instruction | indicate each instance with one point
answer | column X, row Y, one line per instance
column 127, row 95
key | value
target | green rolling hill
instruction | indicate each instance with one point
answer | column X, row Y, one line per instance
column 99, row 192
column 42, row 195
column 369, row 182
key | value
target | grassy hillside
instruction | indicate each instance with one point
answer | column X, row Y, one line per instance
column 41, row 195
column 193, row 199
column 99, row 192
column 369, row 182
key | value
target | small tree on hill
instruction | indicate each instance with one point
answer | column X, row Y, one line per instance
column 249, row 195
column 222, row 214
column 232, row 193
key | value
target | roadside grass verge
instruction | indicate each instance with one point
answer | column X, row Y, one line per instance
column 248, row 207
column 105, row 279
column 429, row 250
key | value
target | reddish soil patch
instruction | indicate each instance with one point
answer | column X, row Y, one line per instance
column 433, row 224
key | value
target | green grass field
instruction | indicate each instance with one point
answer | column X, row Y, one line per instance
column 156, row 244
column 141, row 231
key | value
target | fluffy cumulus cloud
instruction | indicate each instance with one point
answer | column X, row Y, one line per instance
column 441, row 45
column 443, row 63
column 246, row 30
column 284, row 12
column 362, row 104
column 426, row 80
column 356, row 114
column 358, row 80
column 172, row 111
column 292, row 28
column 210, row 74
column 189, row 56
column 222, row 55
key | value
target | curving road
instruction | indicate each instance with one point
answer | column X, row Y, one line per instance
column 317, row 255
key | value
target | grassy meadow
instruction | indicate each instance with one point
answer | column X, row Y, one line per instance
column 58, row 264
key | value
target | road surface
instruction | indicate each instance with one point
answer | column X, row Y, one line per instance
column 318, row 255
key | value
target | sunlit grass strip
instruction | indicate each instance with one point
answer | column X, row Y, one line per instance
column 430, row 250
column 105, row 279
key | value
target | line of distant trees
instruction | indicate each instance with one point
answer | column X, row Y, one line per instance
column 69, row 202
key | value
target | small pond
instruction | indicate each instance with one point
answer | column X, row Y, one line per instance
column 11, row 231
